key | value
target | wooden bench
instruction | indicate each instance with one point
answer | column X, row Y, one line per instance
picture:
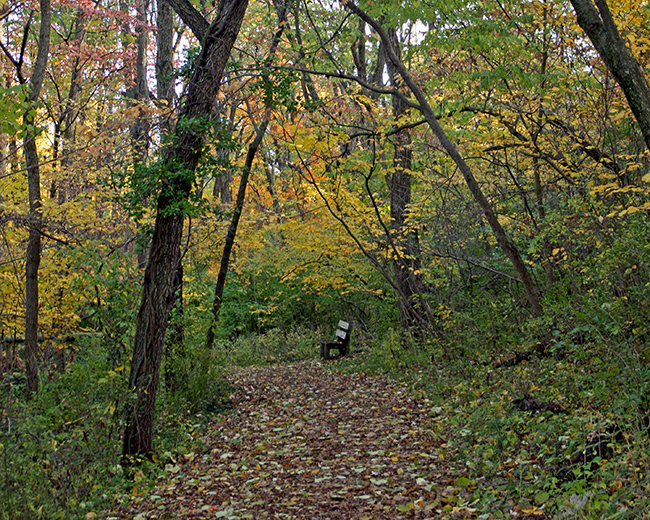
column 341, row 343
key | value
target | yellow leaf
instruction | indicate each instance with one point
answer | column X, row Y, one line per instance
column 532, row 510
column 615, row 486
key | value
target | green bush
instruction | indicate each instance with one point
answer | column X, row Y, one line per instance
column 60, row 451
column 275, row 346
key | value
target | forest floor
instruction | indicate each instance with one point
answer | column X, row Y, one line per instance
column 303, row 441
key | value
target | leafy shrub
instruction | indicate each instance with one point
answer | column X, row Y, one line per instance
column 60, row 452
column 275, row 346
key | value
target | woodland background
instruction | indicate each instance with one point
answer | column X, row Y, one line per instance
column 499, row 268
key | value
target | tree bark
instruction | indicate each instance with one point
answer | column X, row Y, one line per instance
column 157, row 291
column 164, row 58
column 140, row 91
column 414, row 309
column 597, row 22
column 175, row 338
column 191, row 17
column 33, row 255
column 425, row 108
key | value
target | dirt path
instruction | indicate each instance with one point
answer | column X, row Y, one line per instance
column 304, row 442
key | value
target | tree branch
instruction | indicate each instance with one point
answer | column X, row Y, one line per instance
column 191, row 17
column 364, row 84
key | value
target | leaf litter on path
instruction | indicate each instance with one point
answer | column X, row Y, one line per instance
column 306, row 442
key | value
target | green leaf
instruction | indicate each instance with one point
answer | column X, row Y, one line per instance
column 542, row 497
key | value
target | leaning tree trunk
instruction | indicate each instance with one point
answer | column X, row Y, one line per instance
column 425, row 108
column 232, row 232
column 33, row 255
column 174, row 347
column 603, row 33
column 157, row 291
column 243, row 183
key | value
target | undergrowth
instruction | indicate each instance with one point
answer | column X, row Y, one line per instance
column 584, row 453
column 60, row 451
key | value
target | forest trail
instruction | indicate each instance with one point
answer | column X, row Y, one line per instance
column 306, row 442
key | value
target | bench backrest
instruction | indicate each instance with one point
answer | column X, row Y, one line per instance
column 343, row 332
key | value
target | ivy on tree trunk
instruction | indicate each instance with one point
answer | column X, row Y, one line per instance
column 180, row 166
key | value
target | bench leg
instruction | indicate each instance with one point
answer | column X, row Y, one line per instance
column 327, row 346
column 324, row 350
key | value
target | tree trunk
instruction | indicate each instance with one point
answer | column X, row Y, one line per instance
column 309, row 91
column 243, row 183
column 191, row 17
column 414, row 309
column 68, row 118
column 175, row 337
column 599, row 25
column 232, row 232
column 140, row 91
column 404, row 265
column 165, row 59
column 547, row 249
column 33, row 255
column 157, row 291
column 32, row 262
column 508, row 247
column 222, row 180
